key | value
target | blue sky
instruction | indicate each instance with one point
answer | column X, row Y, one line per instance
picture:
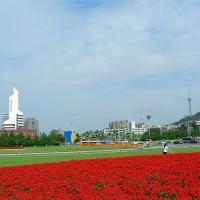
column 90, row 62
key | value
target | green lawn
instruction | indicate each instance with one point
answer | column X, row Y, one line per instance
column 58, row 149
column 32, row 158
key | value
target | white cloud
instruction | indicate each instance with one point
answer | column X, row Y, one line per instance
column 96, row 62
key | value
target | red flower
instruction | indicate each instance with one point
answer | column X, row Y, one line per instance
column 175, row 176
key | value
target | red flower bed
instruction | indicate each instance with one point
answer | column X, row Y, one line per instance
column 11, row 147
column 174, row 176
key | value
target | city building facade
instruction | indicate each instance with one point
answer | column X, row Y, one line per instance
column 57, row 131
column 25, row 132
column 126, row 126
column 31, row 123
column 118, row 124
column 14, row 119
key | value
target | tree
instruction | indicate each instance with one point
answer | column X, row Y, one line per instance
column 4, row 139
column 61, row 138
column 145, row 136
column 128, row 136
column 195, row 129
column 52, row 138
column 113, row 137
column 44, row 140
column 20, row 139
column 182, row 131
column 11, row 139
column 155, row 134
column 78, row 138
column 86, row 136
column 116, row 134
column 36, row 140
column 28, row 141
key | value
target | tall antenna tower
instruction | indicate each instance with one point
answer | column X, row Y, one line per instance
column 71, row 127
column 190, row 103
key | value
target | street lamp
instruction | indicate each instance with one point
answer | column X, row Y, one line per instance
column 149, row 117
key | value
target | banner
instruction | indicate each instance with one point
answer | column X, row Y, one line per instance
column 70, row 136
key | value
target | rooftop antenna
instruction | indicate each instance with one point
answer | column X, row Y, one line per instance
column 71, row 127
column 190, row 103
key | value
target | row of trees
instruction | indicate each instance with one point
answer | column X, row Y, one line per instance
column 10, row 139
column 182, row 131
column 155, row 134
column 56, row 139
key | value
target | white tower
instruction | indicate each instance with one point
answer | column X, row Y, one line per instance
column 190, row 104
column 14, row 119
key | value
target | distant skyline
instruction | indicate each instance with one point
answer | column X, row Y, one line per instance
column 88, row 63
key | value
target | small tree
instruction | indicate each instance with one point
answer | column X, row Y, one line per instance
column 4, row 139
column 20, row 139
column 44, row 139
column 28, row 141
column 36, row 140
column 60, row 138
column 11, row 139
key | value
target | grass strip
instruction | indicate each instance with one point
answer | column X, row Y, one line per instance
column 31, row 159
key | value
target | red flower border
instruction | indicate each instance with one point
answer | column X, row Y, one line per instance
column 174, row 176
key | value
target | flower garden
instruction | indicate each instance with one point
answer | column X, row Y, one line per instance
column 174, row 176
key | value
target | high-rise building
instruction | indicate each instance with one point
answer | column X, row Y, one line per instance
column 31, row 123
column 126, row 126
column 14, row 119
column 57, row 131
column 118, row 124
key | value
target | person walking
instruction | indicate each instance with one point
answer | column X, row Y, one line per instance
column 165, row 149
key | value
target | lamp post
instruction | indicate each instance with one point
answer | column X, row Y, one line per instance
column 149, row 117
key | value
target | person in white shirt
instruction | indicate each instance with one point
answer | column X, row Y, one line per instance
column 165, row 149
